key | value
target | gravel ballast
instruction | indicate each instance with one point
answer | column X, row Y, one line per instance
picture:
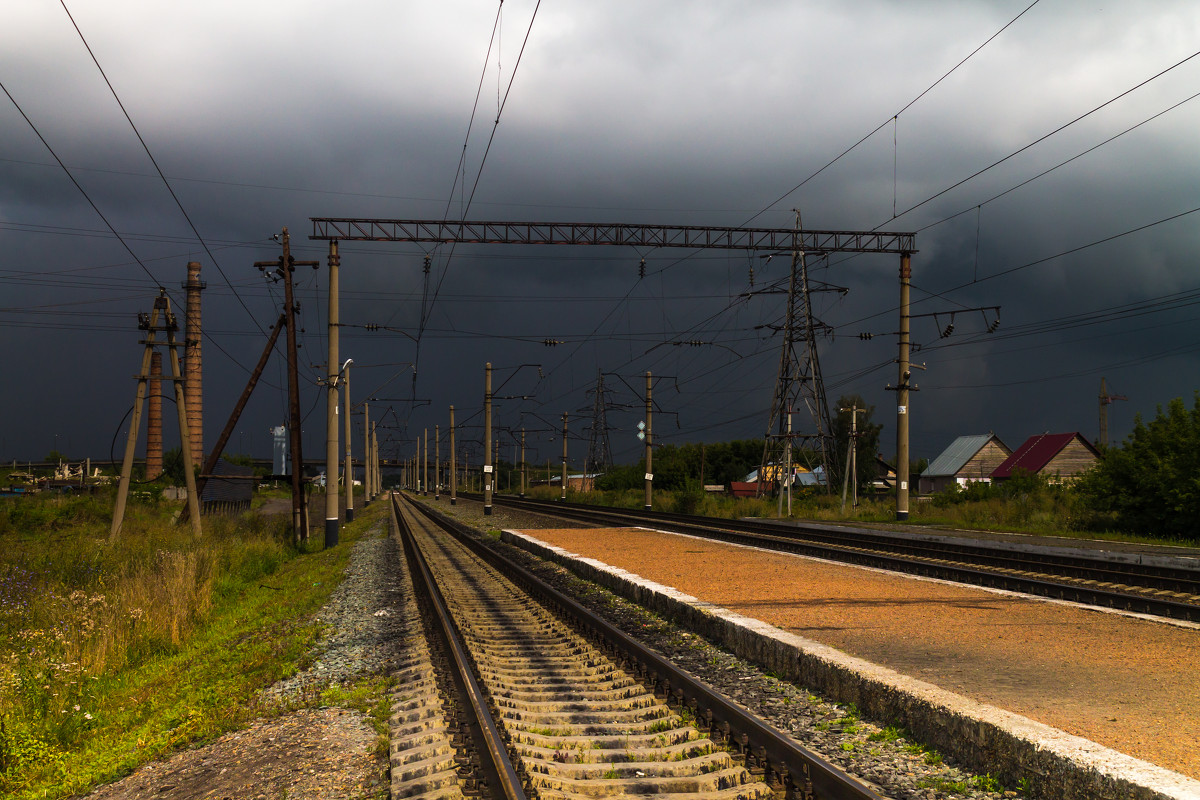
column 885, row 758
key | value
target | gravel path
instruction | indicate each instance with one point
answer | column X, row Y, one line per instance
column 363, row 620
column 895, row 767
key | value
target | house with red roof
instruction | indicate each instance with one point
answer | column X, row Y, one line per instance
column 1057, row 456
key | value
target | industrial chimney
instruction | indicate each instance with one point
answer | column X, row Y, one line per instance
column 154, row 432
column 193, row 371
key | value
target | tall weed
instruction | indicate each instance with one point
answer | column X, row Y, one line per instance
column 77, row 607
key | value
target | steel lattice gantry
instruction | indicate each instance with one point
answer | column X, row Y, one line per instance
column 610, row 233
column 793, row 240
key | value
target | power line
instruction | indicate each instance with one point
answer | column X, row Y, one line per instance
column 158, row 169
column 1042, row 138
column 87, row 197
column 893, row 117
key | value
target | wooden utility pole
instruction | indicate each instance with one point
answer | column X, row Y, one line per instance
column 284, row 267
column 487, row 439
column 649, row 443
column 215, row 454
column 149, row 323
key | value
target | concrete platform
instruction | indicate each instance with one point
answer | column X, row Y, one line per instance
column 1086, row 703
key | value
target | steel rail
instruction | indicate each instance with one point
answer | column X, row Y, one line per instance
column 738, row 532
column 500, row 763
column 763, row 746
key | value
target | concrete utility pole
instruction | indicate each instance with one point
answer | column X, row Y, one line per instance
column 487, row 439
column 367, row 488
column 564, row 464
column 649, row 444
column 349, row 465
column 437, row 462
column 522, row 463
column 851, row 476
column 453, row 476
column 378, row 481
column 425, row 466
column 331, row 405
column 902, row 390
column 785, row 474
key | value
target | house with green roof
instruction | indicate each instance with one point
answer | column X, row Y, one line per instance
column 968, row 458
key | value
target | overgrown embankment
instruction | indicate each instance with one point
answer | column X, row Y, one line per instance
column 113, row 652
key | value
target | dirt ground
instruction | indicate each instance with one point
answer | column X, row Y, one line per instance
column 1127, row 683
column 307, row 754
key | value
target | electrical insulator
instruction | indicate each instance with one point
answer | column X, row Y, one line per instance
column 551, row 342
column 866, row 336
column 427, row 263
column 994, row 325
column 949, row 330
column 371, row 326
column 642, row 269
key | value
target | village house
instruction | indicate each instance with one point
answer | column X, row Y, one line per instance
column 1057, row 456
column 968, row 458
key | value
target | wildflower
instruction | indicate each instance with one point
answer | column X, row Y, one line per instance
column 77, row 706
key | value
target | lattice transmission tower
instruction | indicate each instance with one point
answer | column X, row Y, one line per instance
column 799, row 385
column 599, row 457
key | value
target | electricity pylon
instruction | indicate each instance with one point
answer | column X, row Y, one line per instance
column 599, row 457
column 799, row 382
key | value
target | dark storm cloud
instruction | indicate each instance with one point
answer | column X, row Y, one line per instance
column 627, row 111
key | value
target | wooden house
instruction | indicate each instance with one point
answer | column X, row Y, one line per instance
column 1057, row 456
column 968, row 458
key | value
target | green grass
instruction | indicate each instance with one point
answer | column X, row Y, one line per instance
column 96, row 678
column 890, row 733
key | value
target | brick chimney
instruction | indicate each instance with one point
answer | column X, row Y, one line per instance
column 193, row 370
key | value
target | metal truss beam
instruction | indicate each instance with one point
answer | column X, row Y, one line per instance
column 574, row 233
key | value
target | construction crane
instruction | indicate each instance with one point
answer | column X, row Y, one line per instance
column 1106, row 400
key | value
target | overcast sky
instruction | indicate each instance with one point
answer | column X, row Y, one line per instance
column 263, row 115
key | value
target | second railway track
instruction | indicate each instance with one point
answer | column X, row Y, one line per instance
column 1154, row 590
column 577, row 709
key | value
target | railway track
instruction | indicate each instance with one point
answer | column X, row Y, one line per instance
column 1148, row 589
column 532, row 695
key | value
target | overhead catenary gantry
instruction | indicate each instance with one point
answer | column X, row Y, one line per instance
column 696, row 237
column 610, row 233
